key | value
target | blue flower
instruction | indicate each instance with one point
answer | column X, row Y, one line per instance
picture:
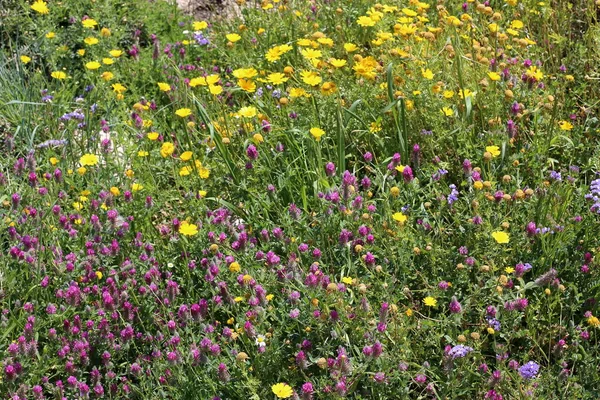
column 459, row 351
column 529, row 370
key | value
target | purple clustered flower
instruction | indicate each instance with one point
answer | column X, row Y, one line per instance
column 453, row 196
column 530, row 370
column 459, row 351
column 200, row 39
column 594, row 195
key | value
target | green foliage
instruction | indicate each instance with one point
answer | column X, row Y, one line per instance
column 173, row 225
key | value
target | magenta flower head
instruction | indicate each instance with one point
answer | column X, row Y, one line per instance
column 531, row 229
column 252, row 152
column 407, row 174
column 330, row 169
column 454, row 306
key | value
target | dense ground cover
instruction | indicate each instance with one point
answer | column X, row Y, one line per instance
column 327, row 199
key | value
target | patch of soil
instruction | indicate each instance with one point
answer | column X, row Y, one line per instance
column 211, row 9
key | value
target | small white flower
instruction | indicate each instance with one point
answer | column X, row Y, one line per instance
column 261, row 341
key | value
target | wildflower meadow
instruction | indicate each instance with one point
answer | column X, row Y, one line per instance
column 320, row 199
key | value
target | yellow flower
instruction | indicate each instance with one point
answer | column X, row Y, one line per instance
column 365, row 21
column 311, row 78
column 215, row 89
column 234, row 267
column 493, row 150
column 247, row 85
column 58, row 75
column 500, row 237
column 565, row 125
column 54, row 160
column 247, row 112
column 107, row 76
column 298, row 92
column 40, row 7
column 466, row 93
column 233, row 37
column 142, row 153
column 535, row 73
column 92, row 65
column 25, row 59
column 165, row 87
column 427, row 74
column 328, row 88
column 108, row 61
column 350, row 47
column 199, row 25
column 593, row 321
column 203, row 172
column 448, row 94
column 50, row 35
column 509, row 270
column 282, row 390
column 311, row 54
column 186, row 156
column 337, row 63
column 81, row 170
column 277, row 78
column 273, row 54
column 89, row 23
column 136, row 187
column 245, row 73
column 185, row 171
column 99, row 275
column 494, row 76
column 430, row 301
column 115, row 191
column 105, row 32
column 317, row 133
column 183, row 112
column 152, row 136
column 81, row 52
column 116, row 53
column 78, row 206
column 188, row 229
column 400, row 218
column 347, row 280
column 167, row 149
column 118, row 88
column 90, row 41
column 88, row 159
column 447, row 111
column 325, row 41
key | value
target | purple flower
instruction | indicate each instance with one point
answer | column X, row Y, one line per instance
column 453, row 196
column 459, row 351
column 529, row 370
column 330, row 169
column 252, row 152
column 455, row 306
